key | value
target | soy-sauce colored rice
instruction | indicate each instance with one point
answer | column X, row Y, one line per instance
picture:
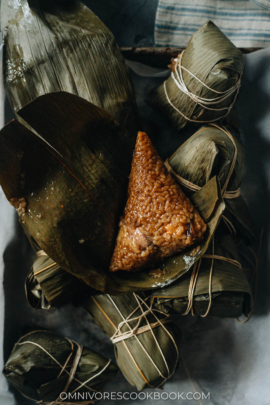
column 159, row 220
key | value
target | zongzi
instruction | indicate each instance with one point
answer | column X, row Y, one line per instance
column 52, row 46
column 216, row 286
column 159, row 220
column 204, row 82
column 215, row 150
column 43, row 366
column 47, row 285
column 145, row 340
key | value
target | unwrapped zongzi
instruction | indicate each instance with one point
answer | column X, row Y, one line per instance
column 159, row 220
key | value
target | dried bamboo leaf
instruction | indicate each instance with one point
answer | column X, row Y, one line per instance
column 229, row 285
column 70, row 223
column 211, row 57
column 211, row 152
column 53, row 46
column 47, row 285
column 37, row 376
column 174, row 267
column 74, row 196
column 140, row 357
column 224, row 305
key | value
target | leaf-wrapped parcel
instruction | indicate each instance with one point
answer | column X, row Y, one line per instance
column 215, row 151
column 70, row 185
column 47, row 285
column 211, row 69
column 145, row 340
column 52, row 46
column 43, row 365
column 219, row 276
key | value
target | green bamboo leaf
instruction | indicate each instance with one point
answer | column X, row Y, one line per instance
column 73, row 181
column 39, row 377
column 229, row 285
column 211, row 152
column 63, row 46
column 215, row 61
column 47, row 285
column 147, row 359
column 73, row 202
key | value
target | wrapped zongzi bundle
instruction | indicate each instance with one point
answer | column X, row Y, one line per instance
column 47, row 285
column 215, row 286
column 205, row 80
column 159, row 220
column 145, row 340
column 43, row 366
column 55, row 46
column 211, row 151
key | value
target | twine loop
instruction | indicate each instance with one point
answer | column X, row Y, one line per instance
column 194, row 187
column 177, row 77
column 224, row 193
column 195, row 275
column 119, row 336
column 71, row 373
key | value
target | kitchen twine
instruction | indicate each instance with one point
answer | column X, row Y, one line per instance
column 120, row 336
column 194, row 278
column 255, row 267
column 72, row 372
column 203, row 102
column 224, row 193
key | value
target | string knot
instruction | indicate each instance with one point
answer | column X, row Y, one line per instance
column 205, row 103
column 73, row 369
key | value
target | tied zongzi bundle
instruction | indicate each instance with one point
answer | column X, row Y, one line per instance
column 215, row 151
column 216, row 286
column 53, row 46
column 43, row 366
column 144, row 339
column 159, row 220
column 47, row 285
column 204, row 82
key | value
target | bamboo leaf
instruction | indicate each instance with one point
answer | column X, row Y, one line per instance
column 211, row 152
column 215, row 61
column 147, row 359
column 38, row 376
column 73, row 203
column 63, row 46
column 229, row 285
column 70, row 205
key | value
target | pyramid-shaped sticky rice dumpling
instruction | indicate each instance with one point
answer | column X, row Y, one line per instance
column 159, row 220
